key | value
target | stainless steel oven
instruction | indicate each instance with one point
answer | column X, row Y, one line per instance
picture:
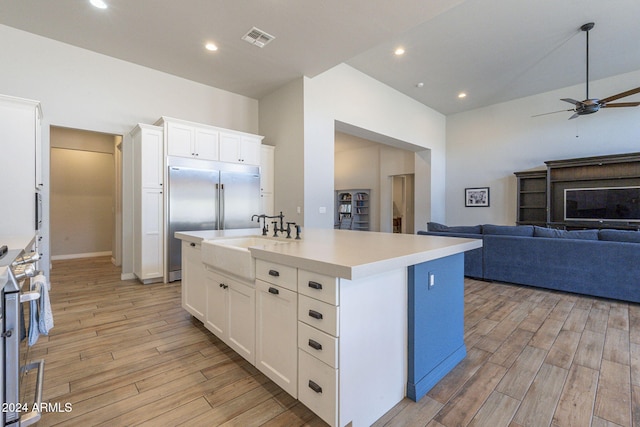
column 15, row 269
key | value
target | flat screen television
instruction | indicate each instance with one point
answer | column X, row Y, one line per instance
column 602, row 204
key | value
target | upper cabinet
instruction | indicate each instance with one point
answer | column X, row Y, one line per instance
column 240, row 148
column 184, row 140
column 188, row 139
column 20, row 164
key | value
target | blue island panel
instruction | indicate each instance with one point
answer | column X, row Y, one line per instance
column 436, row 322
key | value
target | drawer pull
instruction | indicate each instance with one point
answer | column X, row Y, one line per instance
column 193, row 245
column 315, row 314
column 274, row 273
column 315, row 285
column 315, row 387
column 315, row 344
column 273, row 290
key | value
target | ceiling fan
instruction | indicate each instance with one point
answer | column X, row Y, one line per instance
column 592, row 105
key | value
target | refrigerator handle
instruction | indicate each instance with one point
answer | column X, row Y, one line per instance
column 221, row 207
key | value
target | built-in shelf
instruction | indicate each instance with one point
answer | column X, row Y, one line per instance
column 353, row 206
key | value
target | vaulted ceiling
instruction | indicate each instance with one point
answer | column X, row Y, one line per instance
column 494, row 50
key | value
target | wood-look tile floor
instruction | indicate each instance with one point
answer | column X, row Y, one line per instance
column 125, row 354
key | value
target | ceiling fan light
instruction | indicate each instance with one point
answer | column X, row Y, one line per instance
column 100, row 4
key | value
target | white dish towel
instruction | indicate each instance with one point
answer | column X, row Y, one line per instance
column 41, row 316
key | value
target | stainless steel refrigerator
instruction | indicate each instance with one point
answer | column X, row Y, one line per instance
column 206, row 195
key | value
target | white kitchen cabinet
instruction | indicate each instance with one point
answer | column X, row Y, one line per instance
column 240, row 148
column 19, row 168
column 276, row 335
column 191, row 140
column 230, row 313
column 267, row 168
column 194, row 291
column 148, row 219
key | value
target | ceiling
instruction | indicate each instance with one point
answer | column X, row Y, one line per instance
column 494, row 50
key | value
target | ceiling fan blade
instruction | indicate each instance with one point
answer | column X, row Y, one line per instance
column 621, row 104
column 570, row 101
column 553, row 112
column 620, row 95
column 574, row 116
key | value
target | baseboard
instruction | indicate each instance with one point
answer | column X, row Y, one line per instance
column 416, row 391
column 83, row 255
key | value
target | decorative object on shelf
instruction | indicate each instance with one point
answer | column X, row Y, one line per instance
column 476, row 197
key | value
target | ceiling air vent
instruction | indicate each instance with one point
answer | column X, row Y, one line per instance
column 257, row 37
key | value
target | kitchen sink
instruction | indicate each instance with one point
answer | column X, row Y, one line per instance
column 233, row 255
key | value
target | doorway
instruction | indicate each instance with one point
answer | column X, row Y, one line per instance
column 402, row 204
column 85, row 194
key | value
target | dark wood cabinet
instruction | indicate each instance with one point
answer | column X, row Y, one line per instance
column 532, row 197
column 545, row 206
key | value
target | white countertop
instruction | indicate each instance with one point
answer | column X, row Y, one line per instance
column 13, row 242
column 345, row 253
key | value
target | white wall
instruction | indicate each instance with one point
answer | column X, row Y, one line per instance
column 486, row 146
column 282, row 124
column 349, row 96
column 85, row 90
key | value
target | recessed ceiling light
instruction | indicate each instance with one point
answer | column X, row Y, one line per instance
column 420, row 84
column 100, row 4
column 211, row 46
column 462, row 95
column 399, row 51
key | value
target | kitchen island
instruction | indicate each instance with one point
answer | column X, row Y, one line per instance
column 347, row 322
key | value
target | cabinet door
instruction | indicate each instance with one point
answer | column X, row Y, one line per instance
column 250, row 150
column 267, row 162
column 152, row 235
column 206, row 144
column 242, row 314
column 180, row 140
column 151, row 158
column 216, row 312
column 276, row 335
column 230, row 147
column 194, row 291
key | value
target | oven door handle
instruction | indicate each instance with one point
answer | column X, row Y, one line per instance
column 30, row 296
column 32, row 416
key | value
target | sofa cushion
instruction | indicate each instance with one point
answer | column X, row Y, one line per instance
column 565, row 234
column 508, row 230
column 470, row 229
column 620, row 236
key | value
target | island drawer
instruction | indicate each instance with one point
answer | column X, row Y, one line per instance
column 318, row 344
column 278, row 274
column 318, row 286
column 318, row 314
column 317, row 387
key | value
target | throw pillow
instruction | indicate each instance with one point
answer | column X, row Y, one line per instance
column 620, row 236
column 508, row 230
column 565, row 234
column 462, row 229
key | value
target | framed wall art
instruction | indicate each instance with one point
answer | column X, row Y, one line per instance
column 476, row 197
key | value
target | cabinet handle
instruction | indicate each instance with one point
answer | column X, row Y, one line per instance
column 223, row 286
column 315, row 344
column 274, row 273
column 315, row 387
column 315, row 285
column 315, row 314
column 273, row 290
column 193, row 245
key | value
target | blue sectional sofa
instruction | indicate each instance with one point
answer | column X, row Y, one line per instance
column 601, row 263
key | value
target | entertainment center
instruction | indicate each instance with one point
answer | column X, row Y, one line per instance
column 589, row 192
